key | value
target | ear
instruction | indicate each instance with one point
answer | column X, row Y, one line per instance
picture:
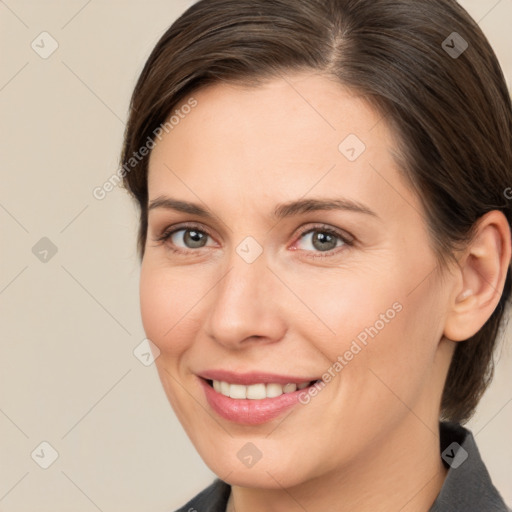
column 480, row 277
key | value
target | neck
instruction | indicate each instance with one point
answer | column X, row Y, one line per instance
column 403, row 473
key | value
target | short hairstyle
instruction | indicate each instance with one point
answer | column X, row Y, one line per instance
column 425, row 65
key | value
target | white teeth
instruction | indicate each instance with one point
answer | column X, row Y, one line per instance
column 224, row 388
column 289, row 388
column 237, row 391
column 256, row 391
column 274, row 390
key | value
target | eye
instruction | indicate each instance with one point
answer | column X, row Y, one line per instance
column 184, row 239
column 323, row 239
column 191, row 238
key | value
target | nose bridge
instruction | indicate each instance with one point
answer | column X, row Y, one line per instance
column 244, row 303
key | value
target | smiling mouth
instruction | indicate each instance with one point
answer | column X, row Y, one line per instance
column 259, row 391
column 254, row 403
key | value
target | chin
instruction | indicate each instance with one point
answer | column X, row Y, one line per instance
column 274, row 471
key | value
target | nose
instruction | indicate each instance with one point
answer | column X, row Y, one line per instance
column 245, row 305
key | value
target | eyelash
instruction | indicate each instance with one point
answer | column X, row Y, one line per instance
column 322, row 228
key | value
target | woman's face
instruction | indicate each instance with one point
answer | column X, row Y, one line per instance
column 269, row 286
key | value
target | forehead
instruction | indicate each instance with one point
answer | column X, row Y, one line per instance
column 281, row 114
column 282, row 138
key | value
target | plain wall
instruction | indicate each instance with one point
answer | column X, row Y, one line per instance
column 69, row 325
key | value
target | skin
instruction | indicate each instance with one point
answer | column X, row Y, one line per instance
column 369, row 440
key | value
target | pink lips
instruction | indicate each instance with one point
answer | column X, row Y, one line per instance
column 248, row 411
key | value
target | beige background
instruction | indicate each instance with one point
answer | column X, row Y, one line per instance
column 69, row 325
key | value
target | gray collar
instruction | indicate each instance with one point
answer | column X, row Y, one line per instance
column 468, row 486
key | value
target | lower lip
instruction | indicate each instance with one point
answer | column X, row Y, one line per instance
column 247, row 411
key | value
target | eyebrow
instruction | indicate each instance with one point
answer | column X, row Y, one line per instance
column 280, row 212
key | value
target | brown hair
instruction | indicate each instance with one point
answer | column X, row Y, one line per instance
column 452, row 112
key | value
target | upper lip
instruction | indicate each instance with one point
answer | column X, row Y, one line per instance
column 254, row 377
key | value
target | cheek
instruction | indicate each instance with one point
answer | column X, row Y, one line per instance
column 167, row 306
column 378, row 328
column 344, row 306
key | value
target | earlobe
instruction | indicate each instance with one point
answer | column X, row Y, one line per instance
column 481, row 275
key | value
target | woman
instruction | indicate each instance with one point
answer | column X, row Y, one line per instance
column 325, row 247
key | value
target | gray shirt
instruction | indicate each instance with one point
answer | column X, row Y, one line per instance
column 467, row 487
